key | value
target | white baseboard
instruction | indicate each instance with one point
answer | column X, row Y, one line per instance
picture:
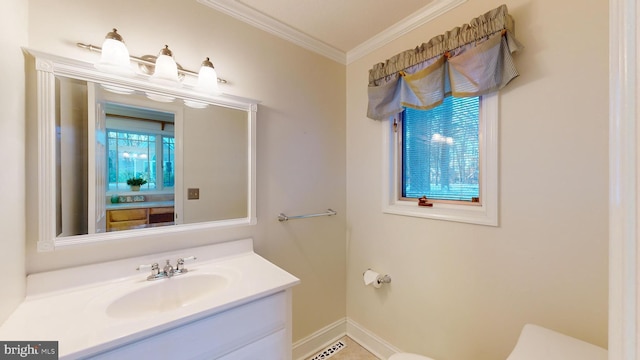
column 370, row 341
column 318, row 341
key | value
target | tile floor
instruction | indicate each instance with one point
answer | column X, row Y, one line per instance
column 352, row 351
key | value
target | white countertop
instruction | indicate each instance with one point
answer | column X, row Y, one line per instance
column 69, row 305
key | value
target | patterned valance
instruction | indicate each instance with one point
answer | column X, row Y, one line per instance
column 471, row 60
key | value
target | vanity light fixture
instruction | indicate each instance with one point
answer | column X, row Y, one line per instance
column 166, row 69
column 208, row 78
column 207, row 83
column 115, row 56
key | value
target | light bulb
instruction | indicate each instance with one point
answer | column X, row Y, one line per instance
column 166, row 69
column 208, row 79
column 115, row 56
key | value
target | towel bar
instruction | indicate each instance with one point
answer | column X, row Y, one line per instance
column 283, row 217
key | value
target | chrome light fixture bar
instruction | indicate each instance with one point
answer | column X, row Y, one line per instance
column 147, row 63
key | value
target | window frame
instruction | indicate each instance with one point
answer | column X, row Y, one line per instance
column 159, row 151
column 485, row 213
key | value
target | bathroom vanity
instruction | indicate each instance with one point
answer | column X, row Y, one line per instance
column 231, row 304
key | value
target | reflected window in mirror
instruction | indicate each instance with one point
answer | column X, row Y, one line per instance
column 141, row 144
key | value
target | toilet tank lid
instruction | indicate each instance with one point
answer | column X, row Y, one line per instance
column 536, row 342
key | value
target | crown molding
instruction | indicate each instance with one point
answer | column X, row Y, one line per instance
column 411, row 22
column 264, row 22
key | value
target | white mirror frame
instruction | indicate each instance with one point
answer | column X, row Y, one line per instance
column 49, row 66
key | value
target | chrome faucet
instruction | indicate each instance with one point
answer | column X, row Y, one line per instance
column 168, row 270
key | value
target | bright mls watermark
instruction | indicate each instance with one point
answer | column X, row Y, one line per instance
column 40, row 350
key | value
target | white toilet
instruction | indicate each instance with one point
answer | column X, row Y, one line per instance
column 535, row 343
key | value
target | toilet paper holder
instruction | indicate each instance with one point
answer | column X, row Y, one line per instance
column 384, row 279
column 373, row 278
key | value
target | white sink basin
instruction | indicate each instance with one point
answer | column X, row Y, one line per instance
column 167, row 294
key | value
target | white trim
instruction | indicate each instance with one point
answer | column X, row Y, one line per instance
column 623, row 181
column 411, row 22
column 46, row 109
column 310, row 345
column 255, row 18
column 484, row 214
column 370, row 341
column 264, row 22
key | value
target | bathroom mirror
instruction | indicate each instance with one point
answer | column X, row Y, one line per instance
column 100, row 135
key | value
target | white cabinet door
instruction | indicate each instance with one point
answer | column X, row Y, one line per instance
column 272, row 347
column 218, row 335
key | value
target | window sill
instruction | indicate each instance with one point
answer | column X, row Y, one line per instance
column 481, row 215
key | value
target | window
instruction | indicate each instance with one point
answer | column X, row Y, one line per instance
column 145, row 155
column 140, row 143
column 449, row 155
column 440, row 157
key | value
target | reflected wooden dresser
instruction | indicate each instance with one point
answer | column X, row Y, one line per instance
column 140, row 217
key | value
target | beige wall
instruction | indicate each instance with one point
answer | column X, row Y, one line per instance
column 217, row 147
column 13, row 34
column 463, row 292
column 301, row 135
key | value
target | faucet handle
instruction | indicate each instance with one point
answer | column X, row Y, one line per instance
column 155, row 268
column 155, row 271
column 180, row 266
column 181, row 261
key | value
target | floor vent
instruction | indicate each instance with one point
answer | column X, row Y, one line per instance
column 330, row 351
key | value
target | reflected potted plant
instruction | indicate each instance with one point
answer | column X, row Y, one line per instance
column 135, row 183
